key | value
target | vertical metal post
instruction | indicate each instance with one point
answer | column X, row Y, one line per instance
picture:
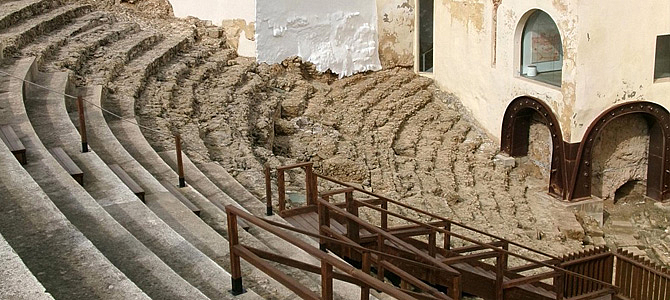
column 82, row 124
column 281, row 190
column 447, row 236
column 235, row 266
column 180, row 163
column 268, row 191
column 326, row 280
column 365, row 290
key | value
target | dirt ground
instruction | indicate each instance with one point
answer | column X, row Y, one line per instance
column 392, row 132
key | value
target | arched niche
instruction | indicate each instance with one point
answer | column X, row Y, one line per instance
column 515, row 137
column 540, row 48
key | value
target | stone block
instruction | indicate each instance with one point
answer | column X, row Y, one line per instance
column 504, row 160
column 215, row 32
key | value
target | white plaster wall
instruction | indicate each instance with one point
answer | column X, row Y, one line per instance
column 617, row 50
column 464, row 62
column 240, row 14
column 337, row 35
column 215, row 10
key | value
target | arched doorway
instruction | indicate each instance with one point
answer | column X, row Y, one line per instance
column 516, row 129
column 658, row 171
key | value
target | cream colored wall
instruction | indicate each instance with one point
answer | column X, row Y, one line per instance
column 396, row 32
column 608, row 48
column 616, row 57
column 237, row 16
column 464, row 61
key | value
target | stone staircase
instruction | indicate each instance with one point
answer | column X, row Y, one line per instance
column 99, row 240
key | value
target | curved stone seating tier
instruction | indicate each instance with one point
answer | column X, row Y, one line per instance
column 17, row 281
column 122, row 102
column 160, row 200
column 14, row 11
column 44, row 46
column 49, row 117
column 60, row 256
column 24, row 32
column 114, row 241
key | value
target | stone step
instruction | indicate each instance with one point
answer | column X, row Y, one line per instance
column 18, row 282
column 56, row 130
column 46, row 46
column 61, row 257
column 23, row 33
column 81, row 48
column 117, row 244
column 16, row 11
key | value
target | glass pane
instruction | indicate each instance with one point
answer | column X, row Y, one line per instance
column 662, row 68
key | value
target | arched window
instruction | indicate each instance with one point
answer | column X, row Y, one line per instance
column 541, row 49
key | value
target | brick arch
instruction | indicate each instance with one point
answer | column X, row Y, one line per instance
column 658, row 170
column 515, row 139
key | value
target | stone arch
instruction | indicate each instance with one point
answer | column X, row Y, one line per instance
column 515, row 139
column 658, row 172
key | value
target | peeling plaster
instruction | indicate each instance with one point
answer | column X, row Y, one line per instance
column 468, row 12
column 396, row 32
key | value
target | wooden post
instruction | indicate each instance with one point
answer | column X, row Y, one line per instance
column 82, row 124
column 456, row 287
column 365, row 290
column 559, row 286
column 281, row 190
column 235, row 266
column 268, row 192
column 432, row 251
column 385, row 216
column 324, row 220
column 309, row 186
column 353, row 229
column 380, row 258
column 447, row 236
column 500, row 272
column 505, row 256
column 326, row 280
column 180, row 163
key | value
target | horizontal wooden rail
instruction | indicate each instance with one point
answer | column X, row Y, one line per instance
column 390, row 237
column 472, row 248
column 529, row 279
column 294, row 166
column 324, row 257
column 640, row 265
column 532, row 266
column 433, row 215
column 470, row 257
column 289, row 282
column 438, row 229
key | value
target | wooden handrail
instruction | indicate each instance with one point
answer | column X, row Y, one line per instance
column 235, row 212
column 433, row 215
column 556, row 268
column 391, row 238
column 640, row 265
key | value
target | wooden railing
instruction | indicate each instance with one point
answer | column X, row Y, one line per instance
column 638, row 278
column 595, row 263
column 407, row 244
column 331, row 267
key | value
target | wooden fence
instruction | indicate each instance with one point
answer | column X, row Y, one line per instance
column 638, row 278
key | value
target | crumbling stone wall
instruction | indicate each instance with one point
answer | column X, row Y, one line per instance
column 540, row 148
column 620, row 155
column 396, row 32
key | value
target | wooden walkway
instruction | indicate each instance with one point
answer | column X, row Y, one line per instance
column 419, row 258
